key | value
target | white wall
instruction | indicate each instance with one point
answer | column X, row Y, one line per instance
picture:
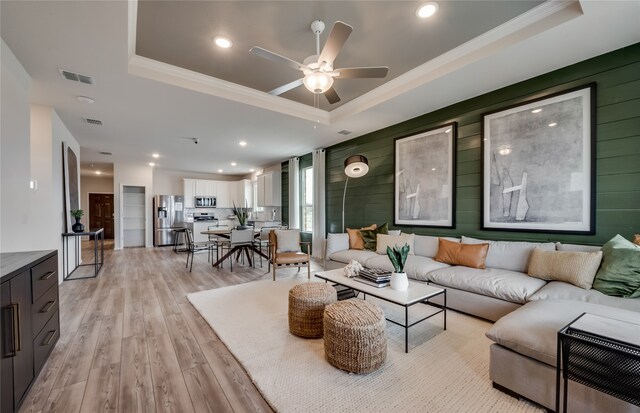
column 14, row 154
column 169, row 182
column 134, row 175
column 93, row 185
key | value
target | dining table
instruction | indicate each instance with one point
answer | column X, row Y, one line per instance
column 237, row 249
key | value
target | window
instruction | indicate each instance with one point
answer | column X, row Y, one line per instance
column 306, row 203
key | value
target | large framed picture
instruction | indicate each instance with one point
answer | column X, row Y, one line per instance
column 539, row 164
column 424, row 178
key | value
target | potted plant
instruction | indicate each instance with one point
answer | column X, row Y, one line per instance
column 398, row 258
column 241, row 213
column 77, row 214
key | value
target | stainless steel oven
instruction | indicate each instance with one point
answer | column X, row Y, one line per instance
column 205, row 201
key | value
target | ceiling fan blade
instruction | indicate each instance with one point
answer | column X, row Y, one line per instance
column 339, row 34
column 362, row 72
column 332, row 96
column 265, row 54
column 285, row 88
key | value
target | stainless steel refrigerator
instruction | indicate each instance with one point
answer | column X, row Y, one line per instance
column 168, row 214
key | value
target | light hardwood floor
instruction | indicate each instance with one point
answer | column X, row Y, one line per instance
column 131, row 342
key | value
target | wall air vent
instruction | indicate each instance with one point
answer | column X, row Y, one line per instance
column 76, row 77
column 344, row 132
column 105, row 153
column 93, row 121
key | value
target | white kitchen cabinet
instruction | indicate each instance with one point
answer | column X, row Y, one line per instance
column 205, row 187
column 242, row 193
column 189, row 192
column 269, row 189
column 223, row 194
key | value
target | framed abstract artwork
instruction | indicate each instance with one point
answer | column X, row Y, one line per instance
column 538, row 162
column 424, row 178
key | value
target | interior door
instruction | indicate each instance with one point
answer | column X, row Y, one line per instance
column 101, row 213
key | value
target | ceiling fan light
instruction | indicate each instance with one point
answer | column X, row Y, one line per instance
column 318, row 82
column 427, row 10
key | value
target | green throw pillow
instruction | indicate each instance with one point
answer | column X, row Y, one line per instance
column 619, row 273
column 370, row 236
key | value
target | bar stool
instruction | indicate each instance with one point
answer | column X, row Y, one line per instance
column 179, row 238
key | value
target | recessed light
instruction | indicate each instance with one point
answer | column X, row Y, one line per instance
column 220, row 170
column 223, row 42
column 85, row 99
column 551, row 125
column 252, row 170
column 537, row 110
column 233, row 164
column 433, row 169
column 98, row 172
column 152, row 164
column 242, row 143
column 427, row 10
column 155, row 155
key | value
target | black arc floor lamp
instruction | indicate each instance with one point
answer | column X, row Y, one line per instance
column 355, row 166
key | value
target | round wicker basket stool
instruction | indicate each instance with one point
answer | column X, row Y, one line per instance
column 354, row 336
column 306, row 308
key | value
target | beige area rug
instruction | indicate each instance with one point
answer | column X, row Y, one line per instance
column 444, row 371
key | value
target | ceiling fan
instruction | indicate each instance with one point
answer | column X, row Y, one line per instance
column 318, row 69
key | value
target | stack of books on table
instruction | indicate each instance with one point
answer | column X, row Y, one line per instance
column 374, row 277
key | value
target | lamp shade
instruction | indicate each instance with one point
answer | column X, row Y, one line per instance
column 356, row 166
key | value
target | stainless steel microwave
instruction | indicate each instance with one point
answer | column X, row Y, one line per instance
column 205, row 201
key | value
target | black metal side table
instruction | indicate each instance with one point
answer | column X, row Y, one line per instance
column 601, row 353
column 98, row 235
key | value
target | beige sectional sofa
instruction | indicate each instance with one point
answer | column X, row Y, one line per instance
column 527, row 311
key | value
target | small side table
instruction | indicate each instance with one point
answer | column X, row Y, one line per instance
column 98, row 240
column 601, row 353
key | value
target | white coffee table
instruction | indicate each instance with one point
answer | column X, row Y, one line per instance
column 416, row 293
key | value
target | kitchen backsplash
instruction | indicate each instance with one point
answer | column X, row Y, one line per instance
column 224, row 213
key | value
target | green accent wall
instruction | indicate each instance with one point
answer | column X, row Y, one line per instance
column 617, row 74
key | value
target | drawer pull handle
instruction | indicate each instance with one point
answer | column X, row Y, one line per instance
column 47, row 276
column 49, row 338
column 13, row 331
column 48, row 306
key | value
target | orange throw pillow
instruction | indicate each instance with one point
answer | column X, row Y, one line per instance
column 468, row 255
column 636, row 239
column 356, row 242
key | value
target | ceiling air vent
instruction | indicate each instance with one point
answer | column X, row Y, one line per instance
column 344, row 132
column 76, row 77
column 93, row 121
column 105, row 153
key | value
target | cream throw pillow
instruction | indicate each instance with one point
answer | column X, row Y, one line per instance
column 574, row 267
column 383, row 241
column 288, row 240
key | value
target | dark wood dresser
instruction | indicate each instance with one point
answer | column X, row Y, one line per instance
column 30, row 322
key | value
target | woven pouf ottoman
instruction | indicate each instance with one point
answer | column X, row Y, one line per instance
column 354, row 336
column 306, row 308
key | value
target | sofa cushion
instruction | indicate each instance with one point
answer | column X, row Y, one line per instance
column 532, row 330
column 576, row 247
column 384, row 241
column 370, row 236
column 619, row 274
column 346, row 256
column 337, row 242
column 510, row 255
column 355, row 238
column 427, row 246
column 417, row 267
column 454, row 253
column 512, row 286
column 557, row 290
column 575, row 267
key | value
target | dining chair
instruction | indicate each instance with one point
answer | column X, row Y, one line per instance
column 193, row 248
column 263, row 241
column 286, row 250
column 242, row 238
